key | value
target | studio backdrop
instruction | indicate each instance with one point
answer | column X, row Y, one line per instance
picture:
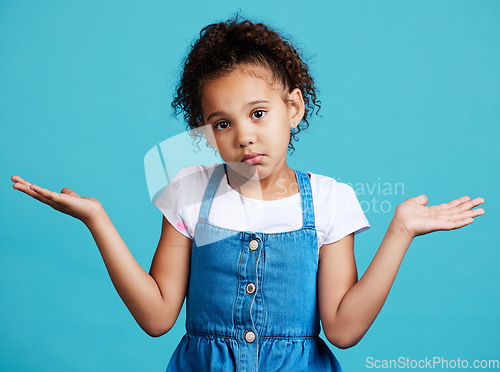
column 410, row 105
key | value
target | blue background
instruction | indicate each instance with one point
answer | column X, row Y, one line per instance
column 410, row 94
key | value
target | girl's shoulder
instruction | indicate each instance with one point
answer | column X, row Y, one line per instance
column 186, row 187
column 195, row 173
column 329, row 187
column 336, row 208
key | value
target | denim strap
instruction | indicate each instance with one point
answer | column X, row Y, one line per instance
column 213, row 184
column 307, row 200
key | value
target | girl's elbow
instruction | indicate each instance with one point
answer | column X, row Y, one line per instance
column 345, row 344
column 155, row 333
column 157, row 329
column 343, row 341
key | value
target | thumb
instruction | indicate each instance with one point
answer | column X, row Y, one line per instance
column 421, row 199
column 69, row 192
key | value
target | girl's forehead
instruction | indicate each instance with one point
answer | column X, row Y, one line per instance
column 243, row 80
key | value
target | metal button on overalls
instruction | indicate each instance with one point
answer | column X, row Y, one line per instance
column 249, row 336
column 250, row 288
column 254, row 244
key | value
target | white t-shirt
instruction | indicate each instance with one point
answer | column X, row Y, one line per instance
column 337, row 211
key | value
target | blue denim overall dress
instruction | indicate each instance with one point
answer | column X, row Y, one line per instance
column 252, row 300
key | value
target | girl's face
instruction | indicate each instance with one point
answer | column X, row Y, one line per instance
column 247, row 121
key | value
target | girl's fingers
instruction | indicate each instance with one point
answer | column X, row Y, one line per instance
column 46, row 196
column 461, row 223
column 421, row 199
column 69, row 192
column 39, row 193
column 477, row 212
column 18, row 179
column 50, row 195
column 455, row 202
column 458, row 219
column 29, row 191
column 469, row 214
column 67, row 201
column 478, row 201
column 469, row 204
column 24, row 188
column 40, row 190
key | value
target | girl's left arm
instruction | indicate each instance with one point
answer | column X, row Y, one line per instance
column 347, row 306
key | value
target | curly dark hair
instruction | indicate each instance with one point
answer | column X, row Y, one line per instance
column 224, row 46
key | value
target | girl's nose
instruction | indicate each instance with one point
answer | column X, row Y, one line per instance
column 245, row 136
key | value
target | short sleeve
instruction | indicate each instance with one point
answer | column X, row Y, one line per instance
column 347, row 216
column 181, row 199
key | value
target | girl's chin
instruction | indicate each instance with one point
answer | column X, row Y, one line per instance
column 253, row 172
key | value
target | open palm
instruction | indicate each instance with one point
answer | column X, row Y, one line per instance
column 67, row 201
column 418, row 219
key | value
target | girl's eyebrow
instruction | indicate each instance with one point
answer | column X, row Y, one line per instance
column 214, row 114
column 256, row 102
column 249, row 104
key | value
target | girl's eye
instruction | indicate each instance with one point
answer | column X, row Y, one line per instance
column 221, row 125
column 258, row 114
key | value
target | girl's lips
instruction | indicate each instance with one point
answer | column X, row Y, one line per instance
column 253, row 159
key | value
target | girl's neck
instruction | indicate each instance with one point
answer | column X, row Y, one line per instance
column 276, row 186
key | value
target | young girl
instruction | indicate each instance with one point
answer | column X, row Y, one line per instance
column 262, row 252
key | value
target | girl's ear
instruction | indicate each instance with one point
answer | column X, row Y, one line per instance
column 297, row 107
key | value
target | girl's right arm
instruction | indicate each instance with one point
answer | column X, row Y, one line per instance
column 153, row 299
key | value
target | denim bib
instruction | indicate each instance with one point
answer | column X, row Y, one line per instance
column 252, row 298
